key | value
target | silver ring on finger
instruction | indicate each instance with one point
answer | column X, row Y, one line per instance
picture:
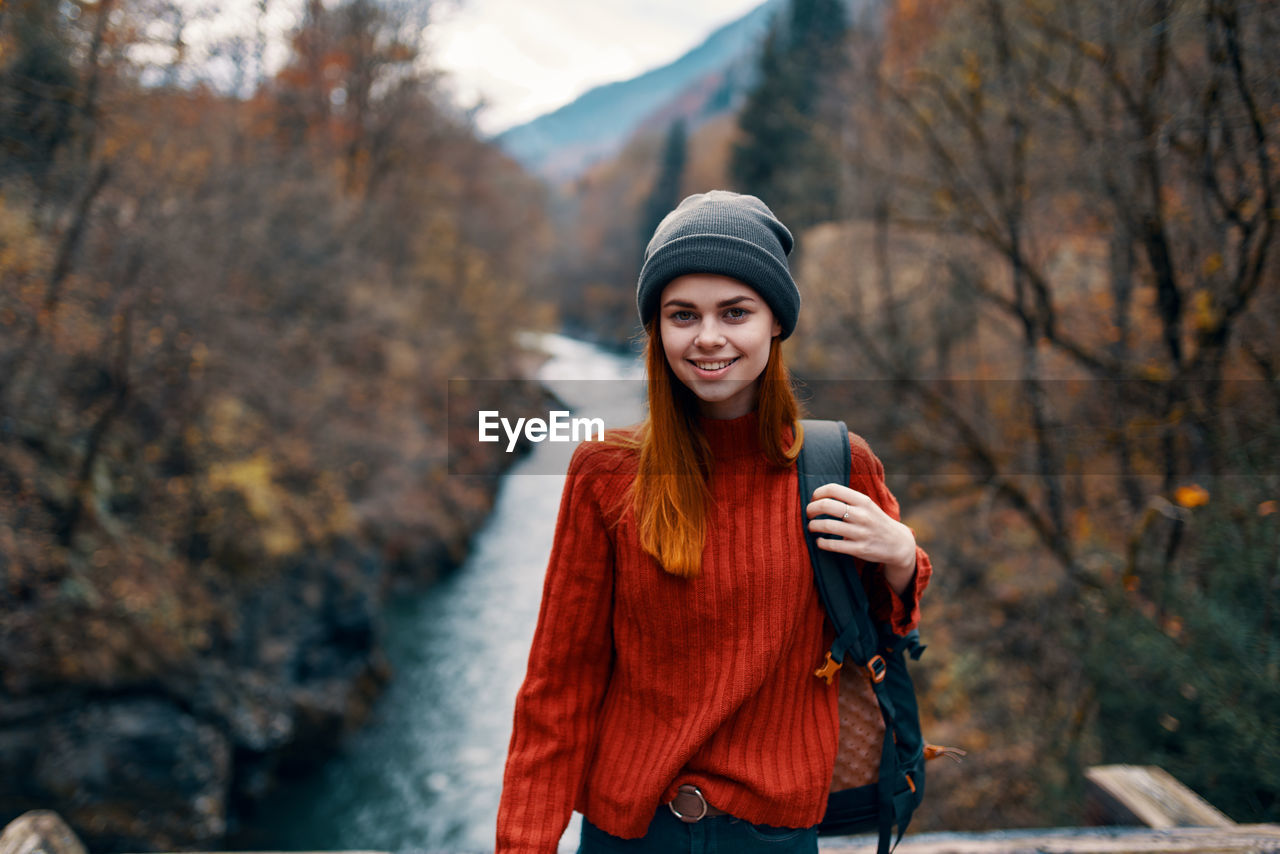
column 847, row 510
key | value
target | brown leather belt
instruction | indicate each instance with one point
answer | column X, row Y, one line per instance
column 690, row 806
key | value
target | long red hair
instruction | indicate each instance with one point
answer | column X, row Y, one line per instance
column 670, row 493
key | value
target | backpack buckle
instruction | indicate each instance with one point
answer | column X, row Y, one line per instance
column 877, row 668
column 829, row 669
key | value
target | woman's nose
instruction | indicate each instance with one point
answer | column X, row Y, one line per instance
column 709, row 335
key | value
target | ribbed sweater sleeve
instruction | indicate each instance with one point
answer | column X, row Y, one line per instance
column 557, row 709
column 901, row 611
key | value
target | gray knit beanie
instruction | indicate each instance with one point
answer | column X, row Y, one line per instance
column 727, row 234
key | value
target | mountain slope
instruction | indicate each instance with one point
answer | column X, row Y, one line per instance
column 563, row 143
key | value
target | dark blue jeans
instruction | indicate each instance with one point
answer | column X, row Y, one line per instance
column 721, row 834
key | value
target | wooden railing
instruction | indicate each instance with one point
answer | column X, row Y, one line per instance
column 1141, row 809
column 1237, row 839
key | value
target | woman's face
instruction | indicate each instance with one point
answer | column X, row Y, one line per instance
column 716, row 333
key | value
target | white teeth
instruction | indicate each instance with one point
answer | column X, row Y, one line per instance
column 714, row 366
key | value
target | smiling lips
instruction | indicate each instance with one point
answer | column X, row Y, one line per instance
column 713, row 367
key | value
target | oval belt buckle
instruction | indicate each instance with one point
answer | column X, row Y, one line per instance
column 688, row 789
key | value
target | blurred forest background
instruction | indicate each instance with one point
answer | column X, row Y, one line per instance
column 1037, row 247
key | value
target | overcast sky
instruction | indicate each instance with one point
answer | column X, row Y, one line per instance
column 520, row 58
column 527, row 57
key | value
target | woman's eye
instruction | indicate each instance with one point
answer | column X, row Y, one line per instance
column 681, row 316
column 736, row 313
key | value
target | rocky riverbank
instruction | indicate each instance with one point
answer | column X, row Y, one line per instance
column 159, row 763
column 147, row 700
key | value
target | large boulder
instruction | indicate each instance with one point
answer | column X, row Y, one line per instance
column 39, row 832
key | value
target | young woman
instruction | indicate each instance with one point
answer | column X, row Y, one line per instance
column 670, row 695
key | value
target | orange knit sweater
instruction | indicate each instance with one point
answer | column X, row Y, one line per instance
column 639, row 681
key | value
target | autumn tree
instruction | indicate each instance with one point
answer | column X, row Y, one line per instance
column 1071, row 304
column 592, row 270
column 225, row 342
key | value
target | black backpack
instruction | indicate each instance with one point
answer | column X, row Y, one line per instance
column 889, row 802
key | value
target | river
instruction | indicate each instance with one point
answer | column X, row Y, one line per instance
column 425, row 772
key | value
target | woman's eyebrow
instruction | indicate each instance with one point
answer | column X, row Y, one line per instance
column 724, row 303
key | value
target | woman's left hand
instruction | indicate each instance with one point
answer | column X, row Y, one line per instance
column 864, row 530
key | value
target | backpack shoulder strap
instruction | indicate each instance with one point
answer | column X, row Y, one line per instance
column 825, row 458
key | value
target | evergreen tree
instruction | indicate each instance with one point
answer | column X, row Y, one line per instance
column 38, row 88
column 665, row 194
column 786, row 154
